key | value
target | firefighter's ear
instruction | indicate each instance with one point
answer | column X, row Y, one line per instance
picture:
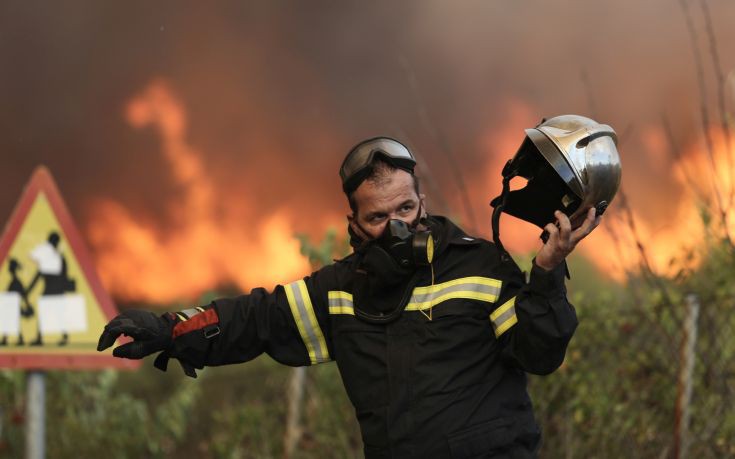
column 354, row 228
column 351, row 222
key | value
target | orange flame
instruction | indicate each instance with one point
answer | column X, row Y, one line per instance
column 700, row 176
column 138, row 263
column 212, row 246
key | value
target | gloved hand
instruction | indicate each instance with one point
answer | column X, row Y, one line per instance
column 150, row 332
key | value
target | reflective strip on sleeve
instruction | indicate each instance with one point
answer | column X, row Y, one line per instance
column 195, row 322
column 189, row 313
column 470, row 288
column 340, row 303
column 504, row 317
column 303, row 314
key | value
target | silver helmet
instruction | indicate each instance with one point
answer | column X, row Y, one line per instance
column 571, row 163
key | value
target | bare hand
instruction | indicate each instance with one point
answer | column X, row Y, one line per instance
column 562, row 240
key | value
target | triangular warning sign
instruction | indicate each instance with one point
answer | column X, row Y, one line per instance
column 52, row 304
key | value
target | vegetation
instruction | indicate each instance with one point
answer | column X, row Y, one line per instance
column 615, row 395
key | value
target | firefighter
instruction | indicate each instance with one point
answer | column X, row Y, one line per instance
column 433, row 330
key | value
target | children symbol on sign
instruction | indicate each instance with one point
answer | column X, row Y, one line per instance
column 11, row 302
column 52, row 269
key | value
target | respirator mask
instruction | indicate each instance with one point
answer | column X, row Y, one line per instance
column 388, row 267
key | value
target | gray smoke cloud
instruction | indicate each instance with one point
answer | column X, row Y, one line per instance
column 276, row 92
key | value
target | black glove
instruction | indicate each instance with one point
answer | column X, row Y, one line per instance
column 150, row 332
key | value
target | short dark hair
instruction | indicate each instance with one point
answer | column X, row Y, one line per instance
column 379, row 172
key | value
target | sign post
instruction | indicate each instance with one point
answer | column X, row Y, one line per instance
column 36, row 415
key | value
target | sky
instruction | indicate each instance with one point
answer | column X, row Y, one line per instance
column 192, row 140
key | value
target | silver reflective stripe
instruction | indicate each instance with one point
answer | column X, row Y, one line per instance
column 303, row 313
column 471, row 288
column 340, row 303
column 191, row 312
column 504, row 317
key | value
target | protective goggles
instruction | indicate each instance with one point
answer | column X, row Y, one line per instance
column 357, row 166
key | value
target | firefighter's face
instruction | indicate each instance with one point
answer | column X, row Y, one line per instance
column 393, row 196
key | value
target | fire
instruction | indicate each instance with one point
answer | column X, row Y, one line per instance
column 212, row 244
column 702, row 177
column 223, row 240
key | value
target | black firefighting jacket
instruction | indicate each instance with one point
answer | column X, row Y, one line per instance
column 445, row 380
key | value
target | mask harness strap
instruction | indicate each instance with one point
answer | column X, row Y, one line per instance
column 508, row 175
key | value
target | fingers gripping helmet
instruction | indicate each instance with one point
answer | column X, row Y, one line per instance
column 571, row 163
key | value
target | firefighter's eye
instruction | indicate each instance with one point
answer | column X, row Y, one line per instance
column 376, row 218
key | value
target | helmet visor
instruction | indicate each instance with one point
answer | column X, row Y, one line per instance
column 358, row 163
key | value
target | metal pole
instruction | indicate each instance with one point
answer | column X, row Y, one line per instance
column 295, row 405
column 686, row 371
column 36, row 415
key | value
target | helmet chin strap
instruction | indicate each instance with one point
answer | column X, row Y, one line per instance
column 508, row 175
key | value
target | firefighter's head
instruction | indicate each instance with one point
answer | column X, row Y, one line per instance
column 378, row 179
column 386, row 227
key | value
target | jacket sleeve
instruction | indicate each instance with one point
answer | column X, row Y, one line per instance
column 534, row 321
column 291, row 324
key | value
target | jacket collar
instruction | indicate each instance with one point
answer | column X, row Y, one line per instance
column 446, row 232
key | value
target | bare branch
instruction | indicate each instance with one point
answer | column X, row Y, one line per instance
column 590, row 94
column 704, row 115
column 720, row 79
column 427, row 176
column 440, row 139
column 676, row 153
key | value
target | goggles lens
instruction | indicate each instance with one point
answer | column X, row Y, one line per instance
column 357, row 164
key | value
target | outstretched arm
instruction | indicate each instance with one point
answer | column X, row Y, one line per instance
column 290, row 324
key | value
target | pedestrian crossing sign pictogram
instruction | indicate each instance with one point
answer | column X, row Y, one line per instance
column 53, row 306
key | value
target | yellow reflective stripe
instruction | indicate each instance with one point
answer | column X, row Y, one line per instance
column 460, row 294
column 469, row 288
column 340, row 303
column 502, row 309
column 199, row 308
column 303, row 313
column 462, row 280
column 504, row 317
column 337, row 294
column 506, row 325
column 322, row 343
column 182, row 317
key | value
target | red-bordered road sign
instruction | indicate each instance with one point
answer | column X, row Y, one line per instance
column 51, row 322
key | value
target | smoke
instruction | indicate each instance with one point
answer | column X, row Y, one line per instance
column 271, row 95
